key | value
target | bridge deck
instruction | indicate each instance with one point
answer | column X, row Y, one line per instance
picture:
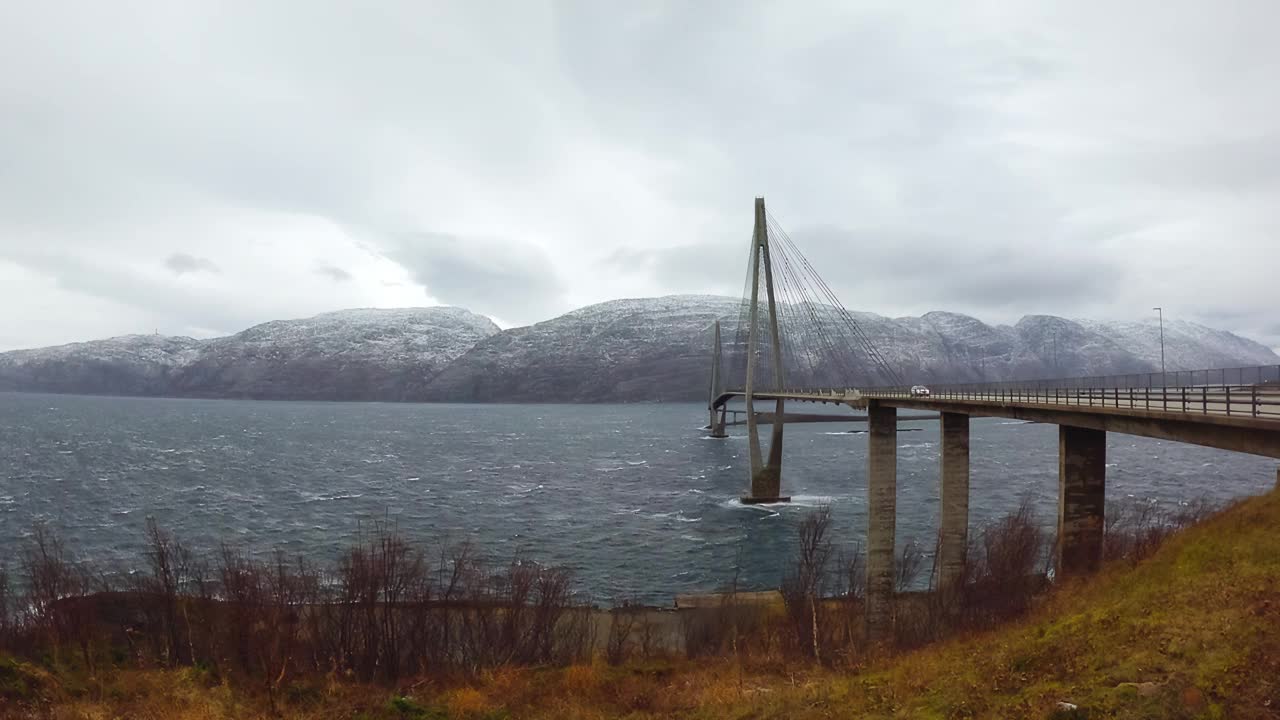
column 1239, row 402
column 1243, row 418
column 841, row 396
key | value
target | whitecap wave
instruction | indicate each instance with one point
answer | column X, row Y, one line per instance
column 315, row 497
column 811, row 500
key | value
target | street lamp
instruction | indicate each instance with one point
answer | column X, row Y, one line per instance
column 1164, row 379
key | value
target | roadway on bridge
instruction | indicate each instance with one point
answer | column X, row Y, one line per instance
column 1241, row 418
column 1242, row 402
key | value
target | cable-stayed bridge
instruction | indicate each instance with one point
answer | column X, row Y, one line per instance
column 794, row 342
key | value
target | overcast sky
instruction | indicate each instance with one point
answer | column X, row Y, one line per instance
column 195, row 168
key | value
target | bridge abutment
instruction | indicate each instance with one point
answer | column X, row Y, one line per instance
column 954, row 524
column 882, row 508
column 1082, row 485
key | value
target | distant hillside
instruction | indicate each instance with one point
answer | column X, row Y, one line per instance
column 648, row 349
column 345, row 355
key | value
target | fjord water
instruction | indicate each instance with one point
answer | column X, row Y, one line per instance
column 634, row 498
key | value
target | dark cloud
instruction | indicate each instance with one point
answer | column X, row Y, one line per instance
column 871, row 269
column 944, row 271
column 181, row 263
column 513, row 281
column 333, row 272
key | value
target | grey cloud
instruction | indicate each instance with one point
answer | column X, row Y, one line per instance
column 714, row 267
column 1250, row 322
column 155, row 300
column 333, row 272
column 511, row 280
column 938, row 271
column 885, row 270
column 1222, row 166
column 181, row 263
column 1036, row 158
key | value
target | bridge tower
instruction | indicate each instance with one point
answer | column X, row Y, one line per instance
column 766, row 475
column 718, row 416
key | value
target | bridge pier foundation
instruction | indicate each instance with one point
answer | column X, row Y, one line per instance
column 1082, row 484
column 882, row 492
column 954, row 524
column 719, row 418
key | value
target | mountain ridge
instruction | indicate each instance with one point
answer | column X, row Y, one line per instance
column 627, row 350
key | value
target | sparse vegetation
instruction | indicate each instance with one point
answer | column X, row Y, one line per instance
column 1176, row 625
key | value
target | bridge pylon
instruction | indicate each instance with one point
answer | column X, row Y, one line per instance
column 719, row 416
column 766, row 475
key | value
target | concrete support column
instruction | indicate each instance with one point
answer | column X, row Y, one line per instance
column 718, row 421
column 1082, row 485
column 882, row 492
column 954, row 526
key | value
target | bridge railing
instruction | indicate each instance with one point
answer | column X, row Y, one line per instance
column 1247, row 391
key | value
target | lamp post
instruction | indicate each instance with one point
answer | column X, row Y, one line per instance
column 1164, row 378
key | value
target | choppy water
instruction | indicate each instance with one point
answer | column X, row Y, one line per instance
column 633, row 497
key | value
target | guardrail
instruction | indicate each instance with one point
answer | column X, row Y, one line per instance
column 1252, row 391
column 1254, row 375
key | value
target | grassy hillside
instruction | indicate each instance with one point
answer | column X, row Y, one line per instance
column 1191, row 632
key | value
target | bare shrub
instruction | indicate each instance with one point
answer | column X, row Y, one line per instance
column 170, row 563
column 733, row 627
column 803, row 585
column 853, row 567
column 58, row 595
column 910, row 564
column 1007, row 569
column 1136, row 528
column 375, row 619
column 7, row 609
column 244, row 592
column 379, row 613
column 645, row 636
column 575, row 635
column 920, row 617
column 736, row 625
column 851, row 598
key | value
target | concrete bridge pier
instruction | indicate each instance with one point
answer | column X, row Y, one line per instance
column 953, row 529
column 882, row 508
column 716, row 425
column 719, row 419
column 1082, row 485
column 766, row 482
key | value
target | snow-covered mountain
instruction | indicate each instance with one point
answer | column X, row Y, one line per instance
column 659, row 349
column 623, row 350
column 127, row 365
column 364, row 354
